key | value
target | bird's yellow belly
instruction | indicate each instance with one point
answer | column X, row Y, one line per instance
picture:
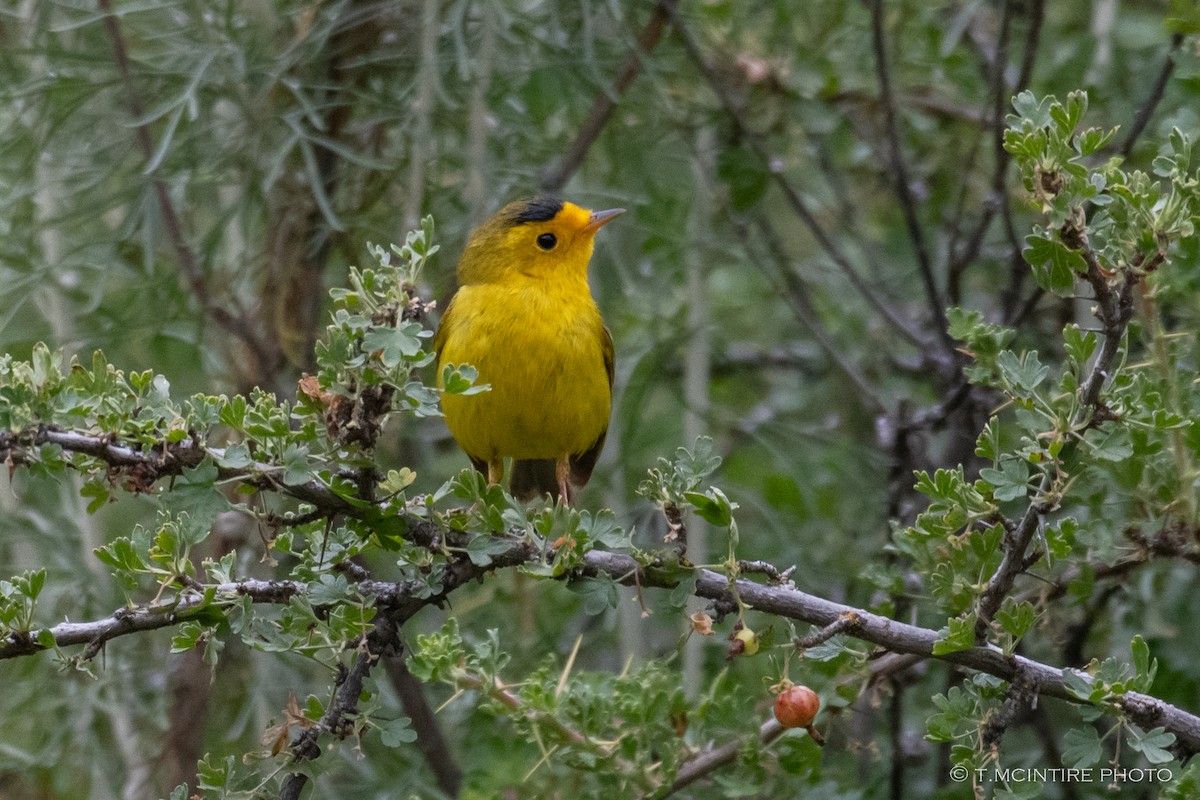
column 544, row 360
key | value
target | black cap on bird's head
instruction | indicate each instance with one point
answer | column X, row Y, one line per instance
column 541, row 208
column 540, row 237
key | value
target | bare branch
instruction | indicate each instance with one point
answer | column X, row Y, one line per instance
column 843, row 623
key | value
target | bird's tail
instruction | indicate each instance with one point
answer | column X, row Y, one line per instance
column 533, row 478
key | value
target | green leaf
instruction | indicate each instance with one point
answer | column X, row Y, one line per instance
column 296, row 469
column 959, row 634
column 1083, row 747
column 97, row 490
column 598, row 594
column 235, row 456
column 1110, row 442
column 1028, row 107
column 712, row 506
column 1076, row 684
column 1144, row 667
column 194, row 501
column 1009, row 482
column 461, row 380
column 187, row 635
column 120, row 555
column 602, row 527
column 1078, row 344
column 397, row 732
column 1054, row 264
column 394, row 345
column 212, row 773
column 481, row 549
column 1024, row 374
column 1016, row 618
column 328, row 589
column 1153, row 745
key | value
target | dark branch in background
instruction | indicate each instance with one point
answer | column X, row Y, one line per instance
column 795, row 292
column 1001, row 94
column 1114, row 309
column 880, row 304
column 1146, row 111
column 556, row 177
column 898, row 168
column 237, row 323
column 430, row 740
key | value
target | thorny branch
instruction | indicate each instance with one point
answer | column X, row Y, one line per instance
column 383, row 640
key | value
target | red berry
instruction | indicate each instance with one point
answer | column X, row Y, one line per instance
column 796, row 706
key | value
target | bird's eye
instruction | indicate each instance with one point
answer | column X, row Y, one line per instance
column 547, row 241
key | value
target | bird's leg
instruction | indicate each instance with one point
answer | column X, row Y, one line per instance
column 495, row 471
column 562, row 474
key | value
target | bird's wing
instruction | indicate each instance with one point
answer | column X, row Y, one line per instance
column 583, row 464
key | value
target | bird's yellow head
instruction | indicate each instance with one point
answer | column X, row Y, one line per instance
column 539, row 237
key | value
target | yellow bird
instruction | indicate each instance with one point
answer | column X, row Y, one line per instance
column 524, row 317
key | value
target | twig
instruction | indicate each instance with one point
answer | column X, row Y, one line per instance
column 775, row 576
column 556, row 176
column 845, row 622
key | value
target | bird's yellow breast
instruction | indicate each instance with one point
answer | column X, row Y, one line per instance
column 540, row 345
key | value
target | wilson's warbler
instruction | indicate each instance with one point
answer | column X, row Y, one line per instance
column 524, row 317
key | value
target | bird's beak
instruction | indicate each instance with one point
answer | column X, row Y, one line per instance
column 599, row 219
